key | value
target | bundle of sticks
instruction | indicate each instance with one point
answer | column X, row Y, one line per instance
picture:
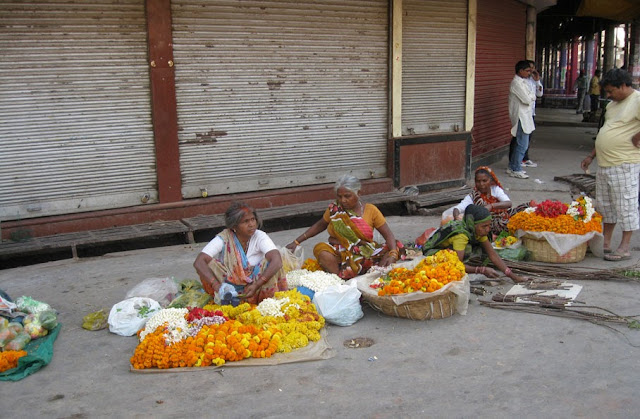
column 565, row 272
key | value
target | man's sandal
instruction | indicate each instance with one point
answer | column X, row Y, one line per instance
column 616, row 257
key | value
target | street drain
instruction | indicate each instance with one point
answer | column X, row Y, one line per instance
column 358, row 343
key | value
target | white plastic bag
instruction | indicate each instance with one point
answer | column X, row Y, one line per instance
column 163, row 290
column 130, row 315
column 291, row 260
column 339, row 304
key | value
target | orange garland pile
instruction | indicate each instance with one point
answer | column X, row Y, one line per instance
column 9, row 359
column 213, row 345
column 562, row 224
column 431, row 274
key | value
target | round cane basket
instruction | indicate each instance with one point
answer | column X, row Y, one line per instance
column 541, row 251
column 430, row 307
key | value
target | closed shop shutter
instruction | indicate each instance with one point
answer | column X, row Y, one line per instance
column 434, row 51
column 274, row 94
column 75, row 119
column 501, row 26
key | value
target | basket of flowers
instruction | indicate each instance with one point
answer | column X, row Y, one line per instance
column 556, row 232
column 433, row 287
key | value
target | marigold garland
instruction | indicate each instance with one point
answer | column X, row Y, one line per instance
column 9, row 359
column 246, row 334
column 311, row 265
column 561, row 224
column 431, row 274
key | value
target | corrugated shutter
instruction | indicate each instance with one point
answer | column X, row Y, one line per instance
column 75, row 119
column 501, row 26
column 434, row 51
column 274, row 94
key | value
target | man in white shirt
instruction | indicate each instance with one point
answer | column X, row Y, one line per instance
column 521, row 100
column 536, row 87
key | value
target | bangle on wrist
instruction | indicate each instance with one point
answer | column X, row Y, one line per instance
column 304, row 236
column 507, row 271
column 475, row 270
column 297, row 243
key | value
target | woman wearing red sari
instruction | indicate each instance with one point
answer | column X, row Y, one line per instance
column 351, row 250
column 488, row 193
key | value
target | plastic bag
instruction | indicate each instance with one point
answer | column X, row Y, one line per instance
column 31, row 306
column 227, row 296
column 291, row 260
column 191, row 298
column 95, row 321
column 163, row 290
column 18, row 342
column 519, row 253
column 6, row 334
column 33, row 327
column 339, row 304
column 48, row 319
column 130, row 315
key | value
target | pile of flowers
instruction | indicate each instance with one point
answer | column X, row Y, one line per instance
column 214, row 334
column 579, row 217
column 431, row 274
column 504, row 241
column 314, row 280
column 311, row 265
column 9, row 359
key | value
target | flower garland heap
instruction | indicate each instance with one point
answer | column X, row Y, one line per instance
column 311, row 265
column 215, row 334
column 577, row 218
column 314, row 280
column 9, row 359
column 429, row 275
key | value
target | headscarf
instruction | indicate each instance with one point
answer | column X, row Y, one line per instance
column 491, row 173
column 473, row 215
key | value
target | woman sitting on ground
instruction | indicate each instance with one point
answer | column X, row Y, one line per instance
column 351, row 250
column 488, row 193
column 468, row 237
column 243, row 256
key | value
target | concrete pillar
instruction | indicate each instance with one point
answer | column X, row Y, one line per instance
column 574, row 67
column 554, row 67
column 609, row 48
column 530, row 34
column 563, row 65
column 589, row 61
column 634, row 52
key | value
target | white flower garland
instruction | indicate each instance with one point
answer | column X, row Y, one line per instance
column 177, row 326
column 315, row 281
column 588, row 209
column 273, row 307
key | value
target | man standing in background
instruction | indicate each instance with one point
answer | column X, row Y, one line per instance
column 582, row 84
column 536, row 87
column 521, row 100
column 594, row 91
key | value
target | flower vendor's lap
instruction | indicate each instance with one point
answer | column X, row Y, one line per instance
column 617, row 195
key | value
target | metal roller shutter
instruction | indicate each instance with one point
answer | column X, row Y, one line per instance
column 501, row 26
column 434, row 51
column 274, row 94
column 75, row 119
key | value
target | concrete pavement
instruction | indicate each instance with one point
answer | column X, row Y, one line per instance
column 489, row 363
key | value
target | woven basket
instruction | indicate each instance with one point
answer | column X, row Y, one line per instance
column 542, row 251
column 431, row 307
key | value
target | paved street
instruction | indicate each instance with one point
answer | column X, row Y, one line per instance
column 489, row 363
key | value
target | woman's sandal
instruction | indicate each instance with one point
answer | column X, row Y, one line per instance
column 616, row 257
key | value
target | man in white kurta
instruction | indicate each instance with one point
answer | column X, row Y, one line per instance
column 521, row 100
